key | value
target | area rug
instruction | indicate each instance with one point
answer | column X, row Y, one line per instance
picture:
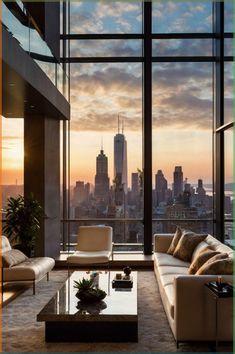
column 22, row 333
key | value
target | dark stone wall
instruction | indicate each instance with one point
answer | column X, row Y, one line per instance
column 42, row 177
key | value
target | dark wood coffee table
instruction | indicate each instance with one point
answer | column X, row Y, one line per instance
column 115, row 319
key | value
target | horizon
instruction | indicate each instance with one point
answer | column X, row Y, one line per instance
column 182, row 94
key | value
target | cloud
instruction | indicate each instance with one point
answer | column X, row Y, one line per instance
column 107, row 48
column 185, row 47
column 182, row 96
column 116, row 9
column 101, row 17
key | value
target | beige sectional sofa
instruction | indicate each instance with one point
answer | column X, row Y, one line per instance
column 24, row 269
column 190, row 312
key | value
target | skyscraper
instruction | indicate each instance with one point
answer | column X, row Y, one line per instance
column 178, row 181
column 79, row 193
column 120, row 158
column 160, row 187
column 101, row 177
column 135, row 182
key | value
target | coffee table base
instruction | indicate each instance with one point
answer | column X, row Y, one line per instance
column 74, row 331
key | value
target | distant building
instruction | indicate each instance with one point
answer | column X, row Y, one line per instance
column 160, row 187
column 178, row 182
column 200, row 190
column 120, row 158
column 101, row 178
column 135, row 182
column 79, row 193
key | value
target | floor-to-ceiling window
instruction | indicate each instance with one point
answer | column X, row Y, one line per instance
column 12, row 159
column 108, row 56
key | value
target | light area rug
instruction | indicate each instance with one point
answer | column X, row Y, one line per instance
column 22, row 333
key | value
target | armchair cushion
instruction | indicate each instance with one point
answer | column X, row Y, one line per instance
column 12, row 258
column 85, row 257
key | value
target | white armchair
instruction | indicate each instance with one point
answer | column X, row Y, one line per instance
column 94, row 246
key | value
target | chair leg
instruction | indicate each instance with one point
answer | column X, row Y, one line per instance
column 48, row 276
column 34, row 287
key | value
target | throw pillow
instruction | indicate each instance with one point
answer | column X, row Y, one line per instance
column 186, row 245
column 206, row 267
column 175, row 240
column 12, row 258
column 220, row 267
column 202, row 258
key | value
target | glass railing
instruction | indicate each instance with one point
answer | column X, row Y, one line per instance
column 128, row 234
column 24, row 31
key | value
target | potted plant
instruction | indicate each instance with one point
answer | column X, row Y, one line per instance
column 87, row 292
column 22, row 225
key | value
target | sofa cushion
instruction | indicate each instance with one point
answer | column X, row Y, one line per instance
column 170, row 295
column 201, row 246
column 218, row 246
column 175, row 240
column 202, row 258
column 168, row 278
column 219, row 264
column 85, row 257
column 31, row 269
column 186, row 245
column 172, row 270
column 12, row 258
column 163, row 259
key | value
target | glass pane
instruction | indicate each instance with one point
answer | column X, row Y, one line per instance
column 228, row 91
column 15, row 27
column 105, row 48
column 12, row 158
column 228, row 160
column 182, row 144
column 128, row 236
column 228, row 15
column 228, row 47
column 228, row 232
column 182, row 16
column 228, row 187
column 105, row 155
column 106, row 17
column 182, row 47
column 170, row 226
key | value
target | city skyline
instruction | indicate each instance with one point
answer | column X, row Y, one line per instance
column 181, row 92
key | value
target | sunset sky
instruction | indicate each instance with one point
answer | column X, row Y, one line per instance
column 182, row 94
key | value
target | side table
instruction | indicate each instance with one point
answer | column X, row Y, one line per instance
column 221, row 293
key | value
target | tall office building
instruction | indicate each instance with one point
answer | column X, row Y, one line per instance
column 101, row 177
column 178, row 181
column 79, row 193
column 200, row 189
column 135, row 182
column 160, row 187
column 120, row 158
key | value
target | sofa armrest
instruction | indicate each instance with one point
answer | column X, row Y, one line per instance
column 162, row 242
column 191, row 305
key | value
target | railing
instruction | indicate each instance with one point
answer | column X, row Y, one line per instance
column 128, row 233
column 22, row 28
